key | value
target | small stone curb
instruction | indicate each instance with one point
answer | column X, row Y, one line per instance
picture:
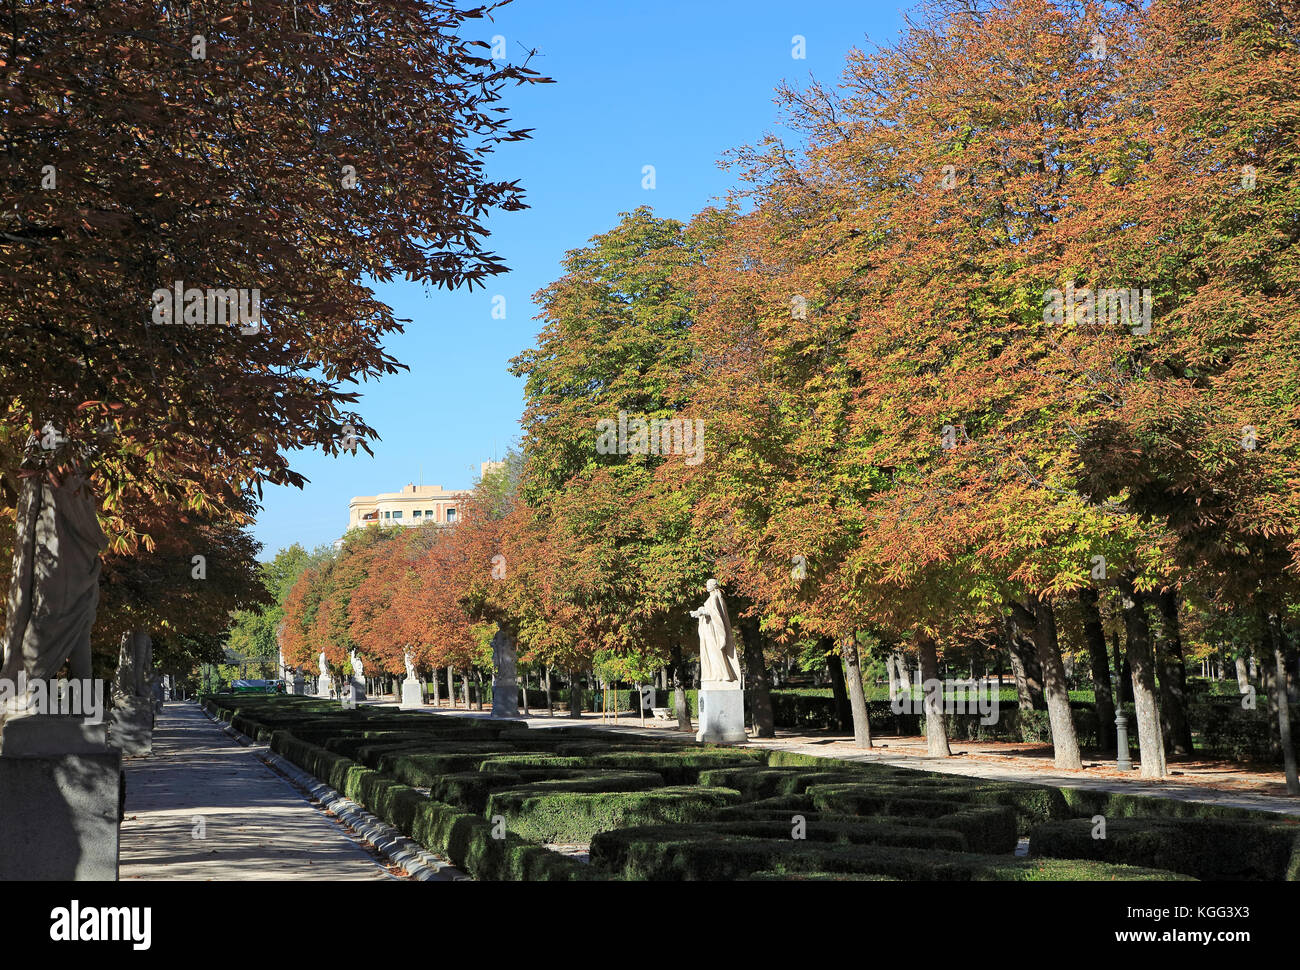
column 420, row 864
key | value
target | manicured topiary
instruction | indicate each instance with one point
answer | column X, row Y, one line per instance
column 572, row 816
column 1204, row 848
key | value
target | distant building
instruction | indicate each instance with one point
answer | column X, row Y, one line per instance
column 490, row 466
column 413, row 505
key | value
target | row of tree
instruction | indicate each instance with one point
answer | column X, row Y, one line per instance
column 997, row 346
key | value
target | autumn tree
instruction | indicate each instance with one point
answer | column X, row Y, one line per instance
column 288, row 155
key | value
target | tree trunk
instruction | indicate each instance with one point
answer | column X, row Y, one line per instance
column 527, row 713
column 680, row 704
column 437, row 699
column 904, row 674
column 852, row 673
column 1027, row 668
column 464, row 688
column 451, row 687
column 843, row 711
column 757, row 682
column 1065, row 742
column 575, row 696
column 550, row 706
column 1243, row 681
column 891, row 669
column 1023, row 698
column 1141, row 658
column 936, row 731
column 1173, row 678
column 1287, row 743
column 1095, row 636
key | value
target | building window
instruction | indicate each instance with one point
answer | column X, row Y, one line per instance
column 429, row 513
column 388, row 515
column 415, row 514
column 397, row 514
column 451, row 515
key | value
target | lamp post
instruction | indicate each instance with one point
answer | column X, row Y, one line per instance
column 1122, row 761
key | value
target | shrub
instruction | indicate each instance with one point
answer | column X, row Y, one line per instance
column 680, row 767
column 695, row 852
column 421, row 768
column 1204, row 848
column 571, row 816
column 767, row 782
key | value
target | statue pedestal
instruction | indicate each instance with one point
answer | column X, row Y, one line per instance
column 505, row 699
column 52, row 734
column 323, row 686
column 296, row 685
column 358, row 689
column 412, row 694
column 59, row 812
column 130, row 725
column 505, row 685
column 722, row 714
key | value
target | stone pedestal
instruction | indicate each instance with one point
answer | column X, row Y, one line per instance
column 412, row 694
column 59, row 812
column 505, row 684
column 53, row 734
column 323, row 686
column 297, row 685
column 130, row 726
column 358, row 689
column 722, row 714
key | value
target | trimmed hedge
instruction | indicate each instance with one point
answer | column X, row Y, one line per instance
column 572, row 816
column 1031, row 804
column 680, row 767
column 689, row 853
column 768, row 782
column 1204, row 848
column 860, row 820
column 1225, row 729
column 467, row 840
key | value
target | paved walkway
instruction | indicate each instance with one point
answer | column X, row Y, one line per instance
column 254, row 824
column 993, row 762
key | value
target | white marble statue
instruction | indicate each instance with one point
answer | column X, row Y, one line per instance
column 324, row 669
column 410, row 667
column 358, row 668
column 718, row 663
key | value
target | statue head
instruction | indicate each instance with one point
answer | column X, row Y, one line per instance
column 711, row 585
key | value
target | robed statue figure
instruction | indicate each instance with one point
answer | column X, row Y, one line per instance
column 717, row 644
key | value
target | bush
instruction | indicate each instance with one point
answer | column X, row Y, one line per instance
column 767, row 782
column 1030, row 804
column 571, row 816
column 1204, row 848
column 420, row 765
column 1226, row 730
column 696, row 852
column 679, row 767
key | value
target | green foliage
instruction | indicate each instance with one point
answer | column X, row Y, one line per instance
column 675, row 811
column 1205, row 848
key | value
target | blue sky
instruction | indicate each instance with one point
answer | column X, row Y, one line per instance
column 670, row 84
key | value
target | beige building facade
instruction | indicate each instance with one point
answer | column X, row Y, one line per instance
column 413, row 505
